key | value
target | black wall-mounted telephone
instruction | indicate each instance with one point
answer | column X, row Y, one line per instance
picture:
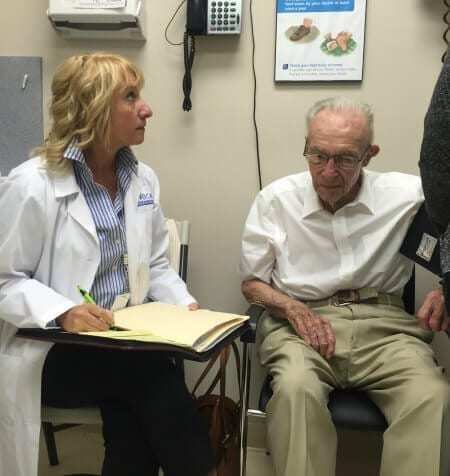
column 207, row 17
column 214, row 17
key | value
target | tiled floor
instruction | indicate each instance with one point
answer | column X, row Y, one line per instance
column 80, row 451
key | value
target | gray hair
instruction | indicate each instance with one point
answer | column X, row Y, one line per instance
column 342, row 104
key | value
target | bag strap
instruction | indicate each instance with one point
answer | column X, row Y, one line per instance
column 220, row 376
column 238, row 369
column 205, row 372
column 224, row 357
column 226, row 353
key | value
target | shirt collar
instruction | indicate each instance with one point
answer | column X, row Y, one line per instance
column 364, row 199
column 311, row 203
column 124, row 155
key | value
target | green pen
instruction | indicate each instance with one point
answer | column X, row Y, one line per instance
column 88, row 299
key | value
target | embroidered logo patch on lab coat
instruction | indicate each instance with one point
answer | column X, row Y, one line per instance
column 145, row 198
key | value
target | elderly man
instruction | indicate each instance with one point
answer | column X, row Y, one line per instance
column 321, row 252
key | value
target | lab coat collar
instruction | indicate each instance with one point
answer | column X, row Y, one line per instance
column 364, row 199
column 65, row 183
column 137, row 234
column 65, row 186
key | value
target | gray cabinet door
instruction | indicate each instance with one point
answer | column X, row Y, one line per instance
column 21, row 120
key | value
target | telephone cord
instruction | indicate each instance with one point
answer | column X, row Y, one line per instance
column 189, row 54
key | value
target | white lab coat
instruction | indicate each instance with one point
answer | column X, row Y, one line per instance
column 48, row 245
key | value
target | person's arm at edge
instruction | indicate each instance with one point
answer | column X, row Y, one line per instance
column 431, row 314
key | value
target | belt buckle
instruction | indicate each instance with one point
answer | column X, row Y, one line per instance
column 346, row 297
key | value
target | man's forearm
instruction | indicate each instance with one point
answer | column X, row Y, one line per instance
column 315, row 330
column 259, row 292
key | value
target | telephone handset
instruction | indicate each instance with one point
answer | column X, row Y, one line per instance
column 207, row 17
column 214, row 17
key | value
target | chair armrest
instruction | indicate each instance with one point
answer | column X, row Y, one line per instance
column 255, row 311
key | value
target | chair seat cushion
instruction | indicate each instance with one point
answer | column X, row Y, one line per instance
column 351, row 409
column 354, row 410
column 82, row 415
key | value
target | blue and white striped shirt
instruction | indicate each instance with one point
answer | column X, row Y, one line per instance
column 111, row 278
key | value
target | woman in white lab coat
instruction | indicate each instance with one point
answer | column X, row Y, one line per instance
column 86, row 212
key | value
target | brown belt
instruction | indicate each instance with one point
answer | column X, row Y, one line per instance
column 357, row 296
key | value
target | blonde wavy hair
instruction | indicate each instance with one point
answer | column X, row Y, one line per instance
column 82, row 90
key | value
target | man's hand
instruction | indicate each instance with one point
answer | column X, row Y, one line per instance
column 315, row 330
column 432, row 315
column 85, row 318
column 194, row 306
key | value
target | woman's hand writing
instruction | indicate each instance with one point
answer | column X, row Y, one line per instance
column 85, row 318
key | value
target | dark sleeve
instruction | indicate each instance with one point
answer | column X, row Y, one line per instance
column 435, row 153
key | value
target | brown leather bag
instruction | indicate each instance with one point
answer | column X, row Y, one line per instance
column 222, row 414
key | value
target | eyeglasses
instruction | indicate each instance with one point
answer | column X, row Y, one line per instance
column 344, row 161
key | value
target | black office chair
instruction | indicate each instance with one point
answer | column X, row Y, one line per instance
column 349, row 409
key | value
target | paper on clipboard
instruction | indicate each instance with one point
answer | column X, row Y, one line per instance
column 87, row 4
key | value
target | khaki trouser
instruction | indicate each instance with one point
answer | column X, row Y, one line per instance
column 380, row 349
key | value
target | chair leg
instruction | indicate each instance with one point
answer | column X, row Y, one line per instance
column 50, row 442
column 246, row 371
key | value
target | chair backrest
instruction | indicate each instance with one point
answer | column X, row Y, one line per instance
column 409, row 293
column 178, row 245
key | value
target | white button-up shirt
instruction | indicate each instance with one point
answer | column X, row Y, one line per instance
column 291, row 242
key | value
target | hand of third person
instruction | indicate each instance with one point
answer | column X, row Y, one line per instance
column 432, row 314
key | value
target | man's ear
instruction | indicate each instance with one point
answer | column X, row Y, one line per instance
column 372, row 152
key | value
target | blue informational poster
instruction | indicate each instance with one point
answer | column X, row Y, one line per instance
column 320, row 40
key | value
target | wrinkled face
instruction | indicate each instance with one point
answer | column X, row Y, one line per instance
column 129, row 114
column 338, row 133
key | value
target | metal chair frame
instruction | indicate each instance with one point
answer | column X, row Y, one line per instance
column 57, row 419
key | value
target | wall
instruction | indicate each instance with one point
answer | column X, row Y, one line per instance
column 206, row 159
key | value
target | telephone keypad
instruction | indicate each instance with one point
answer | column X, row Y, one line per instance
column 224, row 16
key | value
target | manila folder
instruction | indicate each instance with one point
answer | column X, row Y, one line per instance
column 199, row 330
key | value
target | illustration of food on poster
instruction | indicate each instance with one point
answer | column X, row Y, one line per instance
column 320, row 40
